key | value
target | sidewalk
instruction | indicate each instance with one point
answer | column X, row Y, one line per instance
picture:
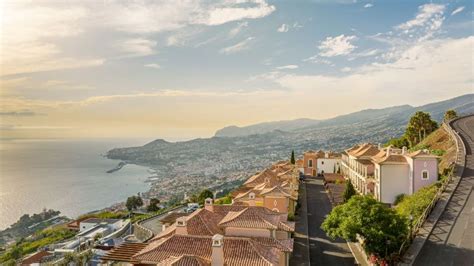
column 300, row 255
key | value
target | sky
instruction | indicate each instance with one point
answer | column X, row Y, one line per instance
column 183, row 69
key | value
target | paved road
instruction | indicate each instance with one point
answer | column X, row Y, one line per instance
column 452, row 239
column 323, row 250
column 154, row 223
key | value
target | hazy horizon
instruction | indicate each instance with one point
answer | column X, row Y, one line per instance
column 181, row 70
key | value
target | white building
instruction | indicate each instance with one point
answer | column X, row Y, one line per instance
column 330, row 163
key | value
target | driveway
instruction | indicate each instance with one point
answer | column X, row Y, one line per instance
column 323, row 250
column 452, row 240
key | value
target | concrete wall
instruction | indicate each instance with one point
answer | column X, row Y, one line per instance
column 394, row 180
column 281, row 235
column 274, row 203
column 247, row 232
column 420, row 165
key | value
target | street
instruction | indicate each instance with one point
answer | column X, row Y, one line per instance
column 322, row 249
column 452, row 239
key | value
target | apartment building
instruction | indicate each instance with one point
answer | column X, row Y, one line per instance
column 388, row 172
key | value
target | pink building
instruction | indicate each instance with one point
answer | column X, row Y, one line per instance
column 388, row 172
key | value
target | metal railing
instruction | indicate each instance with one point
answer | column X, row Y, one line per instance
column 457, row 169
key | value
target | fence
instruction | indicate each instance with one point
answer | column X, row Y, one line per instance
column 456, row 172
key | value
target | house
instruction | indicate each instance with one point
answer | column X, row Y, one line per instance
column 309, row 163
column 37, row 258
column 90, row 223
column 388, row 172
column 330, row 163
column 320, row 162
column 217, row 235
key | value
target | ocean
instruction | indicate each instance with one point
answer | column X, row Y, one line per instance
column 65, row 175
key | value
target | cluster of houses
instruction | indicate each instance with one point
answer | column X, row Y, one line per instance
column 384, row 172
column 256, row 228
column 253, row 230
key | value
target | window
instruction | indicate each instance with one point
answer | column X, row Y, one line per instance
column 310, row 163
column 322, row 162
column 425, row 175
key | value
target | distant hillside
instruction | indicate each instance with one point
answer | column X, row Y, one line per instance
column 397, row 115
column 219, row 160
column 286, row 125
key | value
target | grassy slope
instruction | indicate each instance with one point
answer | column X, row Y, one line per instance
column 440, row 140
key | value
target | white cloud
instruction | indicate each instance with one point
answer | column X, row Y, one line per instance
column 283, row 28
column 137, row 47
column 28, row 44
column 288, row 67
column 318, row 60
column 233, row 32
column 346, row 69
column 429, row 15
column 335, row 46
column 434, row 67
column 243, row 45
column 457, row 10
column 368, row 5
column 156, row 66
column 234, row 11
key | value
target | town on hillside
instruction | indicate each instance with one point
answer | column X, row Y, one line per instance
column 367, row 204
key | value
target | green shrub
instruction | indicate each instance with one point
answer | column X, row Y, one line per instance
column 291, row 216
column 416, row 204
column 399, row 199
column 438, row 152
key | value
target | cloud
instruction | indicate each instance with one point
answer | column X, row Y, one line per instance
column 368, row 5
column 233, row 32
column 457, row 10
column 346, row 69
column 28, row 45
column 335, row 46
column 156, row 66
column 243, row 45
column 429, row 16
column 137, row 47
column 18, row 113
column 234, row 11
column 317, row 60
column 283, row 28
column 288, row 67
column 433, row 67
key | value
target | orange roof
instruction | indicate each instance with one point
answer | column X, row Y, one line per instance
column 260, row 177
column 124, row 252
column 421, row 153
column 257, row 217
column 237, row 250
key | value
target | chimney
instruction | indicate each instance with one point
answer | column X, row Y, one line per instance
column 379, row 146
column 181, row 228
column 251, row 199
column 389, row 151
column 404, row 150
column 326, row 154
column 217, row 258
column 208, row 205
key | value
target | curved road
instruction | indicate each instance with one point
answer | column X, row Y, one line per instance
column 452, row 239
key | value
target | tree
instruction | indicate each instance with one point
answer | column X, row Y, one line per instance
column 382, row 229
column 153, row 207
column 398, row 142
column 206, row 193
column 419, row 126
column 292, row 157
column 133, row 203
column 349, row 191
column 450, row 114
